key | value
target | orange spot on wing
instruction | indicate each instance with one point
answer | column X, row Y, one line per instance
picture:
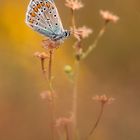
column 47, row 5
column 33, row 14
column 31, row 21
column 42, row 4
column 39, row 5
column 36, row 9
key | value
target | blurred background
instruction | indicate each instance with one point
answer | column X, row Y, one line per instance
column 113, row 69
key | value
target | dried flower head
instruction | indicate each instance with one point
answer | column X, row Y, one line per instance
column 82, row 32
column 108, row 16
column 46, row 95
column 74, row 4
column 61, row 122
column 41, row 55
column 65, row 125
column 50, row 45
column 103, row 99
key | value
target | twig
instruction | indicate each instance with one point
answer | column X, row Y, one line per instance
column 43, row 67
column 52, row 93
column 67, row 132
column 73, row 20
column 75, row 92
column 50, row 66
column 91, row 47
column 75, row 82
column 97, row 122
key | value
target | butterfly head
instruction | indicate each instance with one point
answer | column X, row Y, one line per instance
column 66, row 33
column 61, row 36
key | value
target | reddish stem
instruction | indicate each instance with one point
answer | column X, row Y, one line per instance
column 97, row 121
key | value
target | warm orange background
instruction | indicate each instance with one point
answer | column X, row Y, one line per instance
column 113, row 69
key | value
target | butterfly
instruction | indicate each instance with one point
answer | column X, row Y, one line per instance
column 42, row 16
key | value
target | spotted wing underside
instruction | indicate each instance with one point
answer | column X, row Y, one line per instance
column 42, row 16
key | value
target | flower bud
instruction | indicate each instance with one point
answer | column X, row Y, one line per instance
column 68, row 69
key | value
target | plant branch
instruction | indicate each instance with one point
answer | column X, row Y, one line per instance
column 43, row 67
column 94, row 45
column 52, row 93
column 73, row 20
column 75, row 92
column 97, row 122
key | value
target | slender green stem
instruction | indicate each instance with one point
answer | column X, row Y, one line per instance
column 94, row 45
column 97, row 122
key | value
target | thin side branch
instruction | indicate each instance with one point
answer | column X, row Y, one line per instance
column 97, row 122
column 94, row 45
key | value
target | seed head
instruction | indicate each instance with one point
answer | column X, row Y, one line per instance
column 74, row 4
column 103, row 99
column 108, row 16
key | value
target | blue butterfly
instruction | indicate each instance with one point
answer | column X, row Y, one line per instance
column 42, row 16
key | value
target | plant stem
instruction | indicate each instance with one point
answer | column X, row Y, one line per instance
column 50, row 66
column 67, row 132
column 52, row 93
column 75, row 92
column 43, row 67
column 75, row 82
column 73, row 20
column 97, row 122
column 91, row 47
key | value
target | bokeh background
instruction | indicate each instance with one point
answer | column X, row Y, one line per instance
column 113, row 69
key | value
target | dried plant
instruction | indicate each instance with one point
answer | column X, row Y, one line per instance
column 63, row 124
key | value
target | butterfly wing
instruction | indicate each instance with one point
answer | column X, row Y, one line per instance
column 54, row 18
column 52, row 1
column 42, row 16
